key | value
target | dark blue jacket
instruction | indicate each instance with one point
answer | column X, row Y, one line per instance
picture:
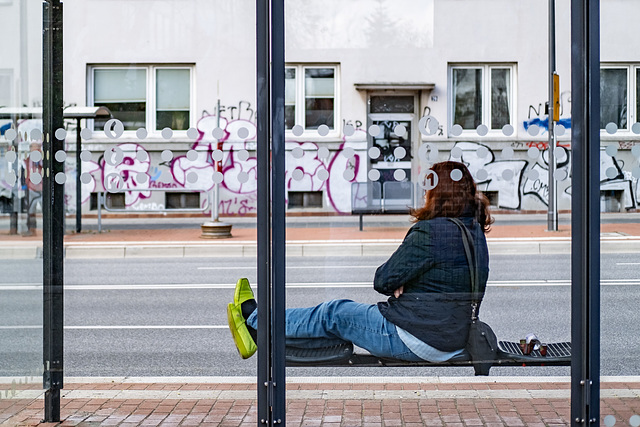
column 432, row 266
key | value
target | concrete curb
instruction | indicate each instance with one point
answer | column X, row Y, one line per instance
column 295, row 248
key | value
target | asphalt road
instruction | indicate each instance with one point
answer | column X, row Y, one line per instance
column 167, row 317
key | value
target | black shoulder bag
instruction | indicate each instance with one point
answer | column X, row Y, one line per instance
column 482, row 343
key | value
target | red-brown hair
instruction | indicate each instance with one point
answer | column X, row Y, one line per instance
column 453, row 197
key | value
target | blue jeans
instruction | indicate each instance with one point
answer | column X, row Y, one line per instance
column 361, row 324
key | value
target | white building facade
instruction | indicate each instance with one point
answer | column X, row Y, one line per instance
column 376, row 91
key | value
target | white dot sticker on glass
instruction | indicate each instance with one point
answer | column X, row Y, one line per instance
column 60, row 134
column 113, row 183
column 323, row 153
column 400, row 130
column 634, row 421
column 36, row 134
column 482, row 130
column 10, row 134
column 166, row 133
column 609, row 421
column 35, row 178
column 399, row 175
column 192, row 155
column 456, row 130
column 243, row 155
column 635, row 150
column 192, row 133
column 560, row 175
column 428, row 180
column 456, row 152
column 374, row 175
column 323, row 175
column 507, row 153
column 399, row 153
column 323, row 130
column 10, row 178
column 374, row 152
column 243, row 177
column 611, row 172
column 85, row 155
column 507, row 130
column 141, row 133
column 297, row 130
column 533, row 153
column 374, row 130
column 217, row 177
column 113, row 156
column 35, row 156
column 559, row 129
column 456, row 175
column 297, row 152
column 166, row 155
column 482, row 175
column 636, row 172
column 142, row 155
column 218, row 133
column 507, row 174
column 216, row 155
column 86, row 133
column 349, row 175
column 10, row 156
column 611, row 150
column 192, row 177
column 482, row 152
column 635, row 128
column 560, row 154
column 297, row 174
column 85, row 178
column 428, row 125
column 533, row 174
column 611, row 128
column 243, row 133
column 60, row 156
column 142, row 177
column 113, row 129
column 349, row 130
column 348, row 152
column 533, row 130
column 61, row 178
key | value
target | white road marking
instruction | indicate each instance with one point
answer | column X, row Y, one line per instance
column 93, row 327
column 295, row 267
column 295, row 285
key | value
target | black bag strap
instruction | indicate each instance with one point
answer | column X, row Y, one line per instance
column 469, row 249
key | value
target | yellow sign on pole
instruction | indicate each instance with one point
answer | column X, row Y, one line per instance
column 556, row 97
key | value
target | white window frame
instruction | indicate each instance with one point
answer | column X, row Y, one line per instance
column 632, row 99
column 486, row 100
column 300, row 101
column 150, row 116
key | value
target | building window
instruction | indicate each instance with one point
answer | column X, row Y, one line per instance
column 150, row 96
column 310, row 96
column 619, row 95
column 482, row 94
column 305, row 199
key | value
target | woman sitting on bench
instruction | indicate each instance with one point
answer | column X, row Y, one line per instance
column 427, row 314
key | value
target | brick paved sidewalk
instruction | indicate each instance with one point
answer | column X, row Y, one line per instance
column 361, row 402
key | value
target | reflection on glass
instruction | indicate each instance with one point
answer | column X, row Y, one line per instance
column 467, row 97
column 500, row 89
column 613, row 97
column 319, row 97
column 124, row 92
column 172, row 94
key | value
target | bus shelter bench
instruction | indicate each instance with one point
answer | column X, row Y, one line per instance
column 509, row 354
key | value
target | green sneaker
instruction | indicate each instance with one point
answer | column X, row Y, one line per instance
column 240, row 332
column 241, row 336
column 243, row 292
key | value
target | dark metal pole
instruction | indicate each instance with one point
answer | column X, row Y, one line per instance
column 552, row 207
column 585, row 218
column 78, row 182
column 279, row 212
column 53, row 210
column 263, row 119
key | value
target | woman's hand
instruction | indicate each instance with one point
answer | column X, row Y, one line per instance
column 398, row 291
